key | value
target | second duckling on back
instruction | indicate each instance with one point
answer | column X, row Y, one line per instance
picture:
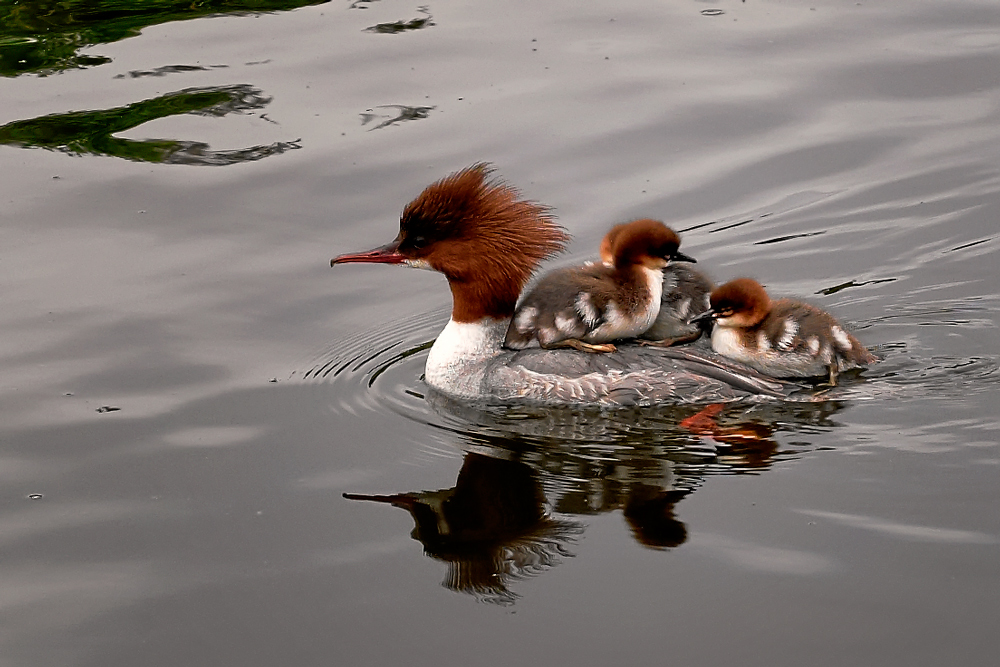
column 587, row 307
column 685, row 295
column 782, row 338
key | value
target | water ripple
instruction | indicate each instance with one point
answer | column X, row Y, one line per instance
column 380, row 370
column 377, row 372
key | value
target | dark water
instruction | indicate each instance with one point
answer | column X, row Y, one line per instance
column 188, row 389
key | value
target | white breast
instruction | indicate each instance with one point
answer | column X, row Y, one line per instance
column 457, row 361
column 645, row 319
column 726, row 341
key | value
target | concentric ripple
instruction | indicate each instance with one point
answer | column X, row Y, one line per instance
column 381, row 370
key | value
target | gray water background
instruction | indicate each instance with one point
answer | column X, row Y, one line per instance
column 844, row 152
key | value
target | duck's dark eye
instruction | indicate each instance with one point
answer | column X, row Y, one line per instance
column 417, row 241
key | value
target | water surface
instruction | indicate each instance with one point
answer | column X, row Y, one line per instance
column 188, row 389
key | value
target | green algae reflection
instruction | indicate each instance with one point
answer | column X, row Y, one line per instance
column 46, row 36
column 91, row 132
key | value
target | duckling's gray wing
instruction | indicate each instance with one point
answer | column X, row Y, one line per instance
column 686, row 294
column 557, row 308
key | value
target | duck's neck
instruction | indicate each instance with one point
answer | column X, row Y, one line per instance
column 483, row 302
column 458, row 359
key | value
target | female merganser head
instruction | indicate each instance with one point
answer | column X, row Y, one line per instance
column 487, row 241
column 684, row 295
column 587, row 307
column 783, row 338
column 479, row 234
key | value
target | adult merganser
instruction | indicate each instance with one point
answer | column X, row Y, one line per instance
column 783, row 338
column 685, row 295
column 587, row 307
column 487, row 241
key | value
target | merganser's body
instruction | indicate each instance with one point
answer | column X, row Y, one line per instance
column 587, row 307
column 487, row 242
column 684, row 295
column 783, row 338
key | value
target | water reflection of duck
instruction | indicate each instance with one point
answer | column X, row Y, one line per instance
column 487, row 241
column 510, row 512
column 490, row 528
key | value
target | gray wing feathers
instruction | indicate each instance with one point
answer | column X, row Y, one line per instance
column 631, row 376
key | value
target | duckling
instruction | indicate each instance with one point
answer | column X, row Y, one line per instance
column 587, row 307
column 684, row 296
column 782, row 338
